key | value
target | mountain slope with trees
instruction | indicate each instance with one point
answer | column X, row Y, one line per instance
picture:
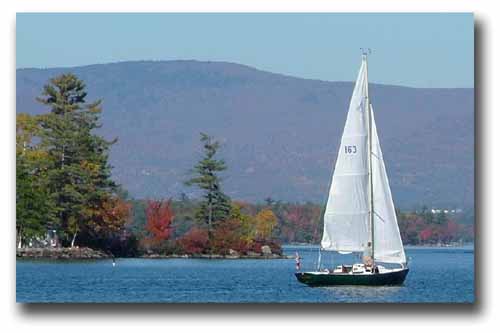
column 280, row 134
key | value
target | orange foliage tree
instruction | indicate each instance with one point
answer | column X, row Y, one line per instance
column 115, row 213
column 107, row 222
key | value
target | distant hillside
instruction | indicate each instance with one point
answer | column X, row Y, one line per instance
column 280, row 133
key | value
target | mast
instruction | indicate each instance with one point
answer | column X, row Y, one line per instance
column 358, row 178
column 370, row 171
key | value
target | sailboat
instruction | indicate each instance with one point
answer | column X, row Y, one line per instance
column 359, row 215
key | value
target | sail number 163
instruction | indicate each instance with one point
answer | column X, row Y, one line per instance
column 350, row 149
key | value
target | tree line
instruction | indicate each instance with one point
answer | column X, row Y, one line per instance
column 63, row 177
column 64, row 187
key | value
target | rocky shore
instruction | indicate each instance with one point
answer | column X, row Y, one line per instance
column 61, row 253
column 266, row 253
column 88, row 253
column 215, row 256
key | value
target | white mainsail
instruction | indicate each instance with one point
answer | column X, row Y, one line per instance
column 347, row 210
column 347, row 222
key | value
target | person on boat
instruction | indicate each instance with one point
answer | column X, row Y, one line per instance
column 368, row 261
column 297, row 261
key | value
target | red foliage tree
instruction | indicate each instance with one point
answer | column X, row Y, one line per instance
column 194, row 241
column 410, row 226
column 159, row 217
column 228, row 235
column 426, row 234
column 301, row 223
column 452, row 228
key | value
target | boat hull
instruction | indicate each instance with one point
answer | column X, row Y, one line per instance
column 315, row 279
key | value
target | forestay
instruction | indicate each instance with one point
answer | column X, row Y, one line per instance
column 347, row 211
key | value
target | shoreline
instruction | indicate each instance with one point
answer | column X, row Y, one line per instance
column 444, row 246
column 86, row 253
column 61, row 253
column 215, row 256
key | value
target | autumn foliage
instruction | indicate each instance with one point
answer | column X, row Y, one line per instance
column 159, row 217
column 195, row 241
column 299, row 223
column 114, row 214
column 229, row 235
column 265, row 223
column 420, row 228
column 250, row 227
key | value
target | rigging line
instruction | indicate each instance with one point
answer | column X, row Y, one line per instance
column 319, row 258
column 323, row 211
column 378, row 157
column 380, row 217
column 370, row 143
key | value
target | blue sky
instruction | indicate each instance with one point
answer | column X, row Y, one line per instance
column 418, row 50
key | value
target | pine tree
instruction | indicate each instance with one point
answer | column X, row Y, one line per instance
column 215, row 206
column 79, row 179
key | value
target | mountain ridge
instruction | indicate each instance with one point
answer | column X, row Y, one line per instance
column 280, row 132
column 229, row 63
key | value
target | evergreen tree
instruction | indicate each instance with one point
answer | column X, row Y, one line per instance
column 34, row 207
column 215, row 206
column 79, row 179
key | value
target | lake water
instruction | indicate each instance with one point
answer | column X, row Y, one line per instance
column 436, row 275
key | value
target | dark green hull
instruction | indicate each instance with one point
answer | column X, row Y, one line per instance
column 341, row 279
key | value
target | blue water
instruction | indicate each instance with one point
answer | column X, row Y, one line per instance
column 436, row 275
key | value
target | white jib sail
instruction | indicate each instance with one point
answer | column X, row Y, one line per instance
column 346, row 217
column 387, row 239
